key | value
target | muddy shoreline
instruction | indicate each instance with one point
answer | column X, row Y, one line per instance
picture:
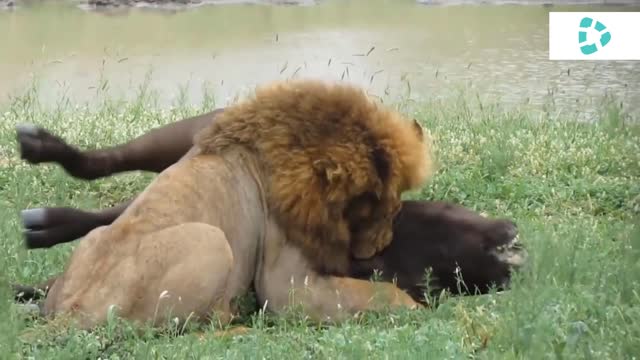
column 529, row 2
column 7, row 4
column 98, row 5
column 190, row 3
column 159, row 4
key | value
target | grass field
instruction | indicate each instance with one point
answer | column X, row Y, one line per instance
column 573, row 188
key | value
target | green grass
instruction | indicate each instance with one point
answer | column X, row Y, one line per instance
column 573, row 188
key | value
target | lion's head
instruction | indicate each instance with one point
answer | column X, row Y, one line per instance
column 334, row 164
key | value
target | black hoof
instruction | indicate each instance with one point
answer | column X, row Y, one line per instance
column 37, row 145
column 30, row 142
column 24, row 293
column 37, row 239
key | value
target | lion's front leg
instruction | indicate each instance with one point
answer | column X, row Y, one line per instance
column 336, row 298
column 287, row 280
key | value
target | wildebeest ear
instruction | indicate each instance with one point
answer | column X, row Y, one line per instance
column 418, row 128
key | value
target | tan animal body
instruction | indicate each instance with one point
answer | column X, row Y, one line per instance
column 279, row 192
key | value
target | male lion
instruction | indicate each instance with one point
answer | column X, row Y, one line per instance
column 449, row 239
column 268, row 195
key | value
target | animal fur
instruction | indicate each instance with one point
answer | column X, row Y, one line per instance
column 426, row 235
column 327, row 152
column 241, row 207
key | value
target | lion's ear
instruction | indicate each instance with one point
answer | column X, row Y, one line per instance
column 328, row 170
column 418, row 128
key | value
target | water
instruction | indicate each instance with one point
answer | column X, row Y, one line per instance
column 394, row 48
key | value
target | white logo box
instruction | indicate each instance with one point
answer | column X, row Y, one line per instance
column 623, row 28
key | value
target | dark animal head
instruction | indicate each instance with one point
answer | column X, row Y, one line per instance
column 465, row 252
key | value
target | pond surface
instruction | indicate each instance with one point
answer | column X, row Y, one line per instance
column 392, row 47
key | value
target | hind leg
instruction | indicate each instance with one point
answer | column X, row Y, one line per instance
column 50, row 226
column 27, row 293
column 180, row 272
column 153, row 151
column 194, row 261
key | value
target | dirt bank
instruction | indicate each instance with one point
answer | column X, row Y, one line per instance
column 160, row 4
column 152, row 3
column 529, row 2
column 104, row 4
column 123, row 5
column 7, row 4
